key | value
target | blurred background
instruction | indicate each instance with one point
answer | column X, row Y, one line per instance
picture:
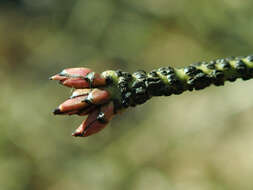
column 196, row 141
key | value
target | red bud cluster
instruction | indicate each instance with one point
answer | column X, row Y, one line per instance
column 87, row 99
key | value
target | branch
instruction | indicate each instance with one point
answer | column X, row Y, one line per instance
column 101, row 96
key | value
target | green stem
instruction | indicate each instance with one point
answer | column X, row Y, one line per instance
column 131, row 90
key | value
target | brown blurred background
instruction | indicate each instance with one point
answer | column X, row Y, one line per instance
column 196, row 141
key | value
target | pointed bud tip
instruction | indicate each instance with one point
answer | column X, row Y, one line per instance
column 57, row 111
column 53, row 77
column 58, row 77
column 75, row 134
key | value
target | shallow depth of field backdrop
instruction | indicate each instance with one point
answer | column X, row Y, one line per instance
column 196, row 141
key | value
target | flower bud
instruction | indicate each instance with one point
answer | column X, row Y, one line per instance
column 82, row 99
column 79, row 78
column 96, row 121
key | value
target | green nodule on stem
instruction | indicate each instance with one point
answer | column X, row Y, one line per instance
column 134, row 89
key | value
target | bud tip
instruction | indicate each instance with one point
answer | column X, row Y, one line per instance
column 57, row 111
column 75, row 134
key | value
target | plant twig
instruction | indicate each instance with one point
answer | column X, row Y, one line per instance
column 101, row 96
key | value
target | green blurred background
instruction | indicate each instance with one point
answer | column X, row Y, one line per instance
column 196, row 141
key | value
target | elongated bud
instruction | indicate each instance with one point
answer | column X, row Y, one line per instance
column 77, row 93
column 79, row 78
column 73, row 104
column 82, row 99
column 71, row 73
column 96, row 121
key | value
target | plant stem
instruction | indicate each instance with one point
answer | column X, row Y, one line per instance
column 134, row 89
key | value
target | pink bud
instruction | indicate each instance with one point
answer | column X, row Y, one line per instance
column 73, row 104
column 79, row 78
column 82, row 99
column 96, row 121
column 76, row 72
